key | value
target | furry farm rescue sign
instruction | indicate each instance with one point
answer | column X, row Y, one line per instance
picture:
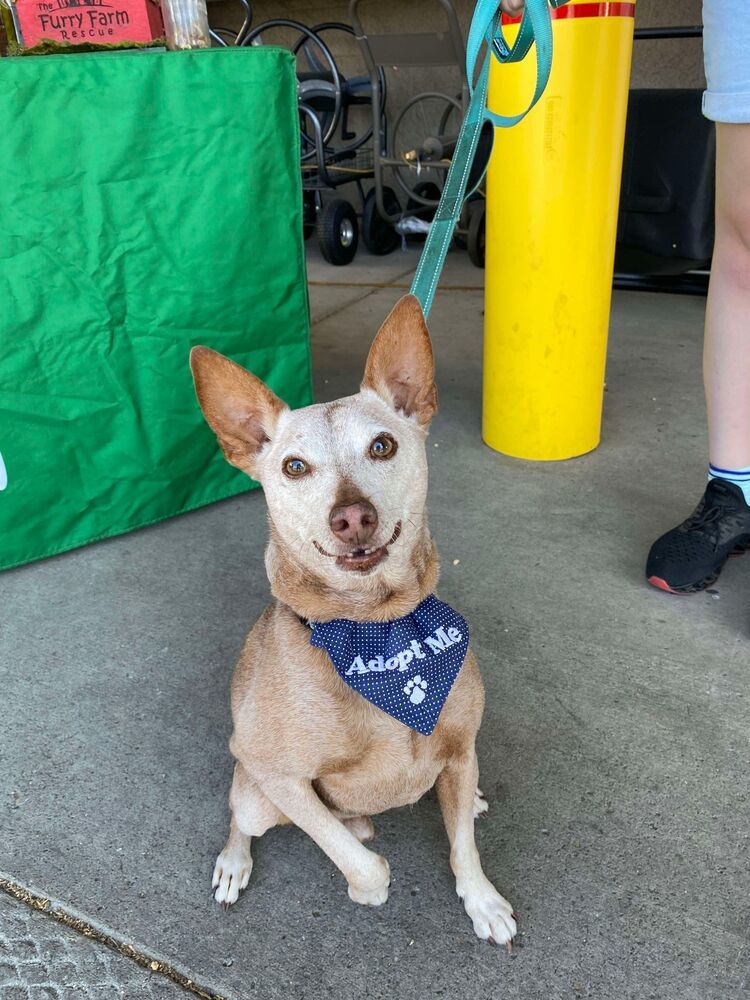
column 77, row 21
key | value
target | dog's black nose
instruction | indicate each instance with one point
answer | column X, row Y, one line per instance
column 355, row 523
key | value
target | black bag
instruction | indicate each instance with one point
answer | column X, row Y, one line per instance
column 667, row 194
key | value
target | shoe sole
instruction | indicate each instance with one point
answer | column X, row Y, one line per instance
column 687, row 590
column 695, row 588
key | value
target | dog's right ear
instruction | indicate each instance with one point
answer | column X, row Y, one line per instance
column 400, row 366
column 239, row 408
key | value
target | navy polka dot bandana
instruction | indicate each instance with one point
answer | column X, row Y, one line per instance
column 406, row 667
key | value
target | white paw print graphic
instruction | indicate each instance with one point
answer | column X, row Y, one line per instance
column 415, row 688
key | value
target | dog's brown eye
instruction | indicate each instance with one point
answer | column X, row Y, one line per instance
column 384, row 446
column 295, row 467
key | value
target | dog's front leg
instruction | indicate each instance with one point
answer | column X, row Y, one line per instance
column 366, row 872
column 491, row 915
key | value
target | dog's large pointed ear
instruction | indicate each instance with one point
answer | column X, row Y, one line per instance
column 239, row 408
column 400, row 366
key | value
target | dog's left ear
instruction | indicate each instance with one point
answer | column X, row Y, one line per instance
column 400, row 366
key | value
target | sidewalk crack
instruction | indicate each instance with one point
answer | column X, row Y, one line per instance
column 56, row 912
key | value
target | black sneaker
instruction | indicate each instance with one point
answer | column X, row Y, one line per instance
column 691, row 556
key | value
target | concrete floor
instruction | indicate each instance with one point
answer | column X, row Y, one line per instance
column 42, row 959
column 614, row 749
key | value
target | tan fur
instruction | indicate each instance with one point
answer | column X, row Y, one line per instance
column 310, row 750
column 361, row 760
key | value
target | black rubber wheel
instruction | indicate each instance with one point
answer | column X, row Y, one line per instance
column 476, row 236
column 330, row 88
column 338, row 234
column 309, row 214
column 428, row 190
column 378, row 234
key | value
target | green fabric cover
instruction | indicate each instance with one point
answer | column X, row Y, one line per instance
column 148, row 202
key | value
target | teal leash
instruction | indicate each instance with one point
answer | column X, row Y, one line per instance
column 485, row 29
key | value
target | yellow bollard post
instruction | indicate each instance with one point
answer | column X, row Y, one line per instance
column 552, row 194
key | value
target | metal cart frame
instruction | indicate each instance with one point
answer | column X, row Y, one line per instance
column 413, row 50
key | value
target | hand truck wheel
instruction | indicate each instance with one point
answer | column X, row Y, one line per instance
column 309, row 214
column 338, row 233
column 425, row 191
column 378, row 234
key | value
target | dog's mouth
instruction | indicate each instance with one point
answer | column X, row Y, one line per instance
column 362, row 559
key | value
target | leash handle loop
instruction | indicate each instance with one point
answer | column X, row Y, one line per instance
column 485, row 31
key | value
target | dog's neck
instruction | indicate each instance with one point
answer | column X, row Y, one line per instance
column 391, row 593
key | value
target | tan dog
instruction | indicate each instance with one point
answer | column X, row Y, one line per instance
column 346, row 484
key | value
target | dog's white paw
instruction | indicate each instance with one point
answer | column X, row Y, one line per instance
column 231, row 875
column 491, row 914
column 376, row 893
column 369, row 897
column 361, row 827
column 481, row 806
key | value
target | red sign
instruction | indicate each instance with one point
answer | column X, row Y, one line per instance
column 97, row 21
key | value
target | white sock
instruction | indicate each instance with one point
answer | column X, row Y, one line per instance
column 740, row 478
